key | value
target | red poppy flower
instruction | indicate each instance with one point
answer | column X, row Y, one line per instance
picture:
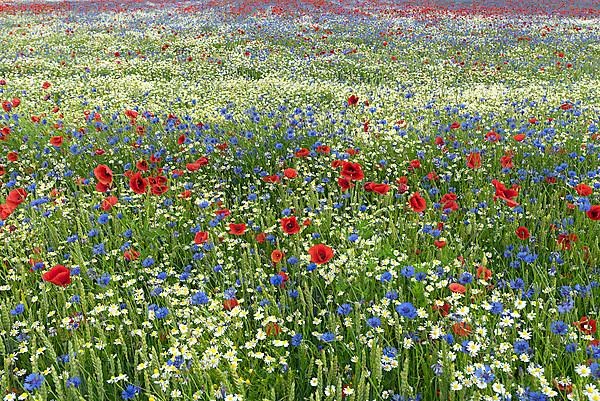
column 192, row 166
column 230, row 304
column 586, row 325
column 457, row 288
column 352, row 100
column 131, row 254
column 7, row 106
column 506, row 194
column 290, row 225
column 344, row 183
column 320, row 254
column 352, row 171
column 483, row 273
column 16, row 197
column 594, row 212
column 276, row 256
column 461, row 329
column 12, row 156
column 142, row 165
column 260, row 238
column 474, row 160
column 450, row 196
column 46, row 85
column 100, row 187
column 273, row 329
column 56, row 141
column 290, row 173
column 381, row 189
column 455, row 125
column 273, row 179
column 336, row 163
column 443, row 309
column 4, row 133
column 323, row 149
column 181, row 140
column 414, row 164
column 222, row 213
column 433, row 176
column 439, row 243
column 303, row 152
column 492, row 136
column 138, row 184
column 132, row 114
column 6, row 211
column 506, row 162
column 519, row 137
column 522, row 233
column 564, row 240
column 417, row 202
column 159, row 189
column 583, row 190
column 103, row 174
column 201, row 237
column 58, row 275
column 237, row 229
column 109, row 202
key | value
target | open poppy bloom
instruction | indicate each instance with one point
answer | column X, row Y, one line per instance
column 417, row 203
column 320, row 254
column 290, row 225
column 237, row 229
column 58, row 275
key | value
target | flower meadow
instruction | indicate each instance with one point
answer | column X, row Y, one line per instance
column 305, row 200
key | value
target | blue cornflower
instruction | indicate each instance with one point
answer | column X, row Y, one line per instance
column 33, row 381
column 199, row 298
column 296, row 340
column 374, row 322
column 103, row 218
column 74, row 381
column 559, row 327
column 328, row 337
column 103, row 280
column 496, row 308
column 230, row 293
column 130, row 392
column 276, row 280
column 407, row 310
column 20, row 308
column 161, row 312
column 149, row 261
column 390, row 352
column 408, row 271
column 344, row 309
column 571, row 348
column 521, row 347
column 485, row 374
column 386, row 277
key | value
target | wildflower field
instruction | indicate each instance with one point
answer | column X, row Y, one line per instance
column 299, row 200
